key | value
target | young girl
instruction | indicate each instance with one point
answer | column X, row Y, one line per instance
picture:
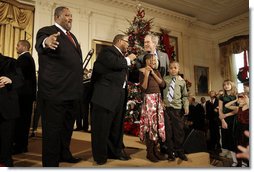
column 228, row 119
column 242, row 111
column 152, row 115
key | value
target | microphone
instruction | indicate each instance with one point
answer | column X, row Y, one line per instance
column 87, row 59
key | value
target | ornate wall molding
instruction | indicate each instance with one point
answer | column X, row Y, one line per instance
column 45, row 5
column 178, row 17
column 232, row 22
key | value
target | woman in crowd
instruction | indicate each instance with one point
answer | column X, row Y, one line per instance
column 242, row 110
column 228, row 120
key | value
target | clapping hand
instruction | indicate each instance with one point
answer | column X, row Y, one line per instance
column 51, row 42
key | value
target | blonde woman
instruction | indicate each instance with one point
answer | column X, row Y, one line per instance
column 228, row 120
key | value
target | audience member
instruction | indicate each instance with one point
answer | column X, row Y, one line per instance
column 196, row 114
column 212, row 115
column 228, row 121
column 242, row 111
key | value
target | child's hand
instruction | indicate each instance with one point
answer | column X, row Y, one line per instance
column 186, row 111
column 147, row 70
column 163, row 105
column 224, row 125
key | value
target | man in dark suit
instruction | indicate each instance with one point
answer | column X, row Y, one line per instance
column 212, row 116
column 27, row 95
column 109, row 93
column 10, row 79
column 59, row 87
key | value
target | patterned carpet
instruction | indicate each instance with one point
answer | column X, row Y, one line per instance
column 81, row 147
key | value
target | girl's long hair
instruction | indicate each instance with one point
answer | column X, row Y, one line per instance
column 233, row 91
column 146, row 56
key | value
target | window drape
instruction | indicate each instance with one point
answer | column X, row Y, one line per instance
column 234, row 45
column 16, row 23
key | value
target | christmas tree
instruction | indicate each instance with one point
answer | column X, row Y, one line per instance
column 139, row 28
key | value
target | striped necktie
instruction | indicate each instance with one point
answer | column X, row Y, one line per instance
column 171, row 89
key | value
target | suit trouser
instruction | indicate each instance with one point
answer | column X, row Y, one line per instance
column 177, row 128
column 169, row 134
column 214, row 134
column 107, row 130
column 6, row 140
column 36, row 117
column 22, row 126
column 57, row 126
column 82, row 118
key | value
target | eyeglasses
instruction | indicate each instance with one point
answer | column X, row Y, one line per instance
column 125, row 41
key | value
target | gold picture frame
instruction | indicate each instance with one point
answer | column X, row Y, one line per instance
column 201, row 75
column 98, row 45
column 174, row 44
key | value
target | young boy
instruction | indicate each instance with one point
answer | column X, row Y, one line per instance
column 175, row 99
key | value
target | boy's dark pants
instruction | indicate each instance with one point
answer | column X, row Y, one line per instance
column 174, row 124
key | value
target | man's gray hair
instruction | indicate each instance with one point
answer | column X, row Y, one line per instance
column 154, row 38
column 59, row 10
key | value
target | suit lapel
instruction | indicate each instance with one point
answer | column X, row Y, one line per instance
column 64, row 36
column 120, row 55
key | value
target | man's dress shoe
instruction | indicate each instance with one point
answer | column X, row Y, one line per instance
column 124, row 154
column 101, row 162
column 77, row 129
column 71, row 160
column 19, row 151
column 121, row 157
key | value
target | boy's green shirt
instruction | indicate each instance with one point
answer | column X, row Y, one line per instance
column 180, row 98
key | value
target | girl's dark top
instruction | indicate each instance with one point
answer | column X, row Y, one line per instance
column 243, row 116
column 152, row 86
column 225, row 99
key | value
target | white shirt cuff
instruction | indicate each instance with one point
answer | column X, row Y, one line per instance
column 43, row 43
column 128, row 61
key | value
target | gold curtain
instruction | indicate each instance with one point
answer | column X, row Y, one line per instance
column 16, row 23
column 234, row 45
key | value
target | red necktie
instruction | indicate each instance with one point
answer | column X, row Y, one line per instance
column 70, row 38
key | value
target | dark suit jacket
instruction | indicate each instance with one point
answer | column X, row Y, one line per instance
column 26, row 63
column 210, row 113
column 109, row 74
column 60, row 71
column 9, row 107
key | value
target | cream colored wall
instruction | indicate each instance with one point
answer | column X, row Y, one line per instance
column 101, row 20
